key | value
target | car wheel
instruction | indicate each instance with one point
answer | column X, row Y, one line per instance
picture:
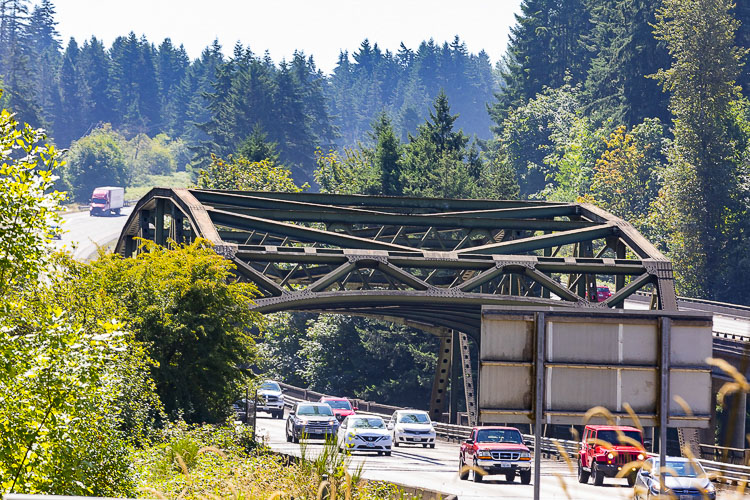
column 598, row 476
column 463, row 475
column 432, row 445
column 583, row 475
column 424, row 445
column 476, row 476
column 526, row 476
column 387, row 453
column 395, row 443
column 631, row 480
column 288, row 438
column 380, row 453
column 510, row 476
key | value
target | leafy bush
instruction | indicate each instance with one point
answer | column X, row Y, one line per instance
column 225, row 468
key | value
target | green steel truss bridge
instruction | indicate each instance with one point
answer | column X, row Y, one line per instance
column 424, row 262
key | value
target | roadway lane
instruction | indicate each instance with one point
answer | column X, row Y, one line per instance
column 83, row 234
column 437, row 469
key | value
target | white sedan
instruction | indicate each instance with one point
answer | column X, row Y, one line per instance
column 412, row 427
column 364, row 433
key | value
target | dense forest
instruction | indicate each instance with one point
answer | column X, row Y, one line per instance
column 640, row 107
column 215, row 102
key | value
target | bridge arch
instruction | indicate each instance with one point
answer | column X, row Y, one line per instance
column 436, row 261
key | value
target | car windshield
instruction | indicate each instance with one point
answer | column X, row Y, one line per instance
column 339, row 405
column 613, row 438
column 310, row 410
column 270, row 386
column 603, row 289
column 98, row 200
column 413, row 418
column 679, row 468
column 367, row 423
column 499, row 436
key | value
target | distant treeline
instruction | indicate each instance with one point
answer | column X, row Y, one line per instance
column 140, row 87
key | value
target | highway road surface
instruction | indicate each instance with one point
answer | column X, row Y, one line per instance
column 437, row 469
column 83, row 234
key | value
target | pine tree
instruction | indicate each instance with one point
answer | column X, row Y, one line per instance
column 544, row 50
column 387, row 157
column 257, row 147
column 74, row 99
column 624, row 52
column 45, row 59
column 95, row 69
column 15, row 58
column 172, row 66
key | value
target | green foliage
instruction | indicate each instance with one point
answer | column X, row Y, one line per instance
column 527, row 137
column 626, row 177
column 545, row 50
column 360, row 357
column 257, row 148
column 146, row 156
column 624, row 50
column 571, row 161
column 96, row 160
column 175, row 180
column 350, row 172
column 701, row 205
column 245, row 175
column 195, row 318
column 27, row 207
column 223, row 467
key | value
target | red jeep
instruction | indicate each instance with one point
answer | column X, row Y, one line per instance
column 606, row 449
column 496, row 450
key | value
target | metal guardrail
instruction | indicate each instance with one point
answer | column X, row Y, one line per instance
column 721, row 472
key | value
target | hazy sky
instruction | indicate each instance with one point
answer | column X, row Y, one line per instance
column 319, row 27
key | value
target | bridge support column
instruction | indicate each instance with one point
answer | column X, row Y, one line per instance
column 455, row 363
column 708, row 436
column 440, row 382
column 159, row 222
column 735, row 433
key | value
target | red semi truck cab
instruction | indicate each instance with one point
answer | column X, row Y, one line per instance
column 606, row 450
column 107, row 200
column 495, row 450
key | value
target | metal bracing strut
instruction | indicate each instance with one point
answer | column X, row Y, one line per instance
column 469, row 390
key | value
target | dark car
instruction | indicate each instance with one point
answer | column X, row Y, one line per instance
column 313, row 420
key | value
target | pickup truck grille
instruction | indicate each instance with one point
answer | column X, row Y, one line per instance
column 271, row 398
column 506, row 455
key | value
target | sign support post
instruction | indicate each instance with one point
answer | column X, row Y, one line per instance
column 538, row 401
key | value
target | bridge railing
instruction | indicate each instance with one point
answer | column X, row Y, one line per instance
column 722, row 472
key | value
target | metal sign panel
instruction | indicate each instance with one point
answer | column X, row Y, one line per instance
column 594, row 358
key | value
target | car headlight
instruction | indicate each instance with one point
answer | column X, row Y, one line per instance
column 710, row 488
column 641, row 456
column 484, row 454
column 610, row 455
column 525, row 455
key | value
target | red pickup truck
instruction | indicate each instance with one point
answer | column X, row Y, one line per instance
column 495, row 450
column 606, row 449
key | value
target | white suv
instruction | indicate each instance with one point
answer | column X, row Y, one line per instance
column 412, row 427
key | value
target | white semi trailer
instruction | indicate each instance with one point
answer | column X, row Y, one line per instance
column 107, row 200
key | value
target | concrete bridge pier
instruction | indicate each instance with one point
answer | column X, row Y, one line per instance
column 735, row 409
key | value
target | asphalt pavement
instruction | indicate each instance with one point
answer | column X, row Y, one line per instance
column 83, row 234
column 437, row 469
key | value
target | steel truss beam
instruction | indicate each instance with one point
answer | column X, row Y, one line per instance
column 419, row 261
